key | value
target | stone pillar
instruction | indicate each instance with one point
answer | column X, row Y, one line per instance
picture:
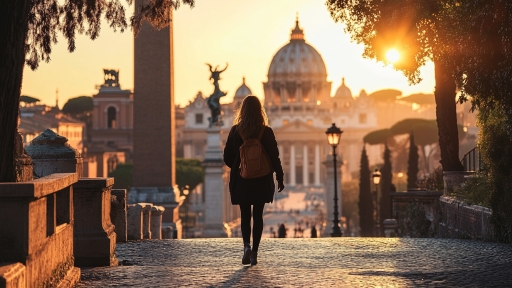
column 51, row 154
column 153, row 126
column 213, row 186
column 118, row 214
column 305, row 168
column 134, row 222
column 329, row 193
column 292, row 165
column 146, row 220
column 167, row 232
column 94, row 236
column 156, row 222
column 317, row 165
column 390, row 226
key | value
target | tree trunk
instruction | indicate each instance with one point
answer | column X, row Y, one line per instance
column 13, row 32
column 447, row 118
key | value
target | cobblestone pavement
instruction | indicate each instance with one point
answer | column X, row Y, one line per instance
column 321, row 262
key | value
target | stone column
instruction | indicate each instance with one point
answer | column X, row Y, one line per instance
column 118, row 214
column 134, row 222
column 329, row 193
column 94, row 236
column 292, row 165
column 146, row 220
column 317, row 165
column 213, row 186
column 156, row 222
column 305, row 168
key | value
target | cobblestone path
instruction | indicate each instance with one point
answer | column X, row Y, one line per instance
column 321, row 262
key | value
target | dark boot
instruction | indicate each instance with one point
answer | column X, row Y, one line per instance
column 247, row 254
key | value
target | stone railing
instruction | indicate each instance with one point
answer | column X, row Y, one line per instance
column 145, row 222
column 416, row 212
column 36, row 232
column 459, row 220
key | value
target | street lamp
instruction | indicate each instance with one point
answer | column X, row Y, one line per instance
column 333, row 137
column 376, row 181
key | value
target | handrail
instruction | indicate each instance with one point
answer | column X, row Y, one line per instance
column 472, row 161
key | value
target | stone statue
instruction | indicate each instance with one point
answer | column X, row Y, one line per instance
column 213, row 100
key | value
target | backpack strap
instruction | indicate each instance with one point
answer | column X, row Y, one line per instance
column 261, row 133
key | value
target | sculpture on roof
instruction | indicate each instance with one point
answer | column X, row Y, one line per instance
column 213, row 100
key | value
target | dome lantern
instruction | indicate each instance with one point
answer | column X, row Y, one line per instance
column 297, row 33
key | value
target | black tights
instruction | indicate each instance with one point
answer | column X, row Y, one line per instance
column 257, row 218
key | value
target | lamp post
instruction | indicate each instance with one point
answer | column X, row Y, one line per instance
column 333, row 137
column 376, row 181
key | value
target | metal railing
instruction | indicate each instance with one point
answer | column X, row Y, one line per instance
column 472, row 161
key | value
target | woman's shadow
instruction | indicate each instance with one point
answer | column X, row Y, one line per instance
column 250, row 276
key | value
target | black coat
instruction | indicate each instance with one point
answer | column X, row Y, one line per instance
column 255, row 190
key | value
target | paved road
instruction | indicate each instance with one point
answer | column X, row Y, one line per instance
column 321, row 262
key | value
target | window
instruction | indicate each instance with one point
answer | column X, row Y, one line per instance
column 362, row 118
column 285, row 122
column 199, row 118
column 310, row 122
column 111, row 117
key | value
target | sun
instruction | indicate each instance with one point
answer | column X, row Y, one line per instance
column 392, row 55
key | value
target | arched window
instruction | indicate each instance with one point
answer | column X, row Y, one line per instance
column 111, row 117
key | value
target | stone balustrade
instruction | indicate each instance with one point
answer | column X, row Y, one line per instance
column 156, row 222
column 145, row 222
column 94, row 237
column 36, row 232
column 118, row 214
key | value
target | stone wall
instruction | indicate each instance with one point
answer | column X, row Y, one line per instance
column 459, row 220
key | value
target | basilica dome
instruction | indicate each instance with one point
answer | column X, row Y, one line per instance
column 343, row 91
column 297, row 57
column 243, row 90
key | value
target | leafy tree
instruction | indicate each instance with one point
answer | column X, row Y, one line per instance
column 412, row 167
column 350, row 191
column 386, row 95
column 417, row 30
column 189, row 172
column 497, row 158
column 29, row 28
column 123, row 176
column 381, row 136
column 385, row 187
column 419, row 98
column 28, row 99
column 366, row 221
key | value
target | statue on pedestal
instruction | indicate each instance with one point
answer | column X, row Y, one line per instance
column 213, row 100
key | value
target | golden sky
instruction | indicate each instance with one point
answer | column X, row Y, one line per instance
column 244, row 33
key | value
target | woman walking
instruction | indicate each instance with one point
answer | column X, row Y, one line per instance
column 255, row 192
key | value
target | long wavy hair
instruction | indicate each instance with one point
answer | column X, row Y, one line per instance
column 251, row 117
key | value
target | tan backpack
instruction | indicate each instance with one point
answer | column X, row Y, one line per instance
column 254, row 160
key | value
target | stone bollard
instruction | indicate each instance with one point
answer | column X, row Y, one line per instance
column 134, row 222
column 390, row 226
column 118, row 214
column 156, row 222
column 51, row 154
column 167, row 232
column 146, row 220
column 94, row 236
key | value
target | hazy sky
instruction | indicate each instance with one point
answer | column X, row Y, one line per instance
column 246, row 34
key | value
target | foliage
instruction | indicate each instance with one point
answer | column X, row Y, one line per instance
column 385, row 95
column 419, row 98
column 381, row 136
column 418, row 31
column 28, row 99
column 434, row 181
column 496, row 151
column 366, row 221
column 385, row 187
column 412, row 221
column 189, row 172
column 349, row 200
column 474, row 191
column 78, row 105
column 412, row 167
column 123, row 176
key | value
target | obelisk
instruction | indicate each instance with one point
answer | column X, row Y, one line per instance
column 153, row 123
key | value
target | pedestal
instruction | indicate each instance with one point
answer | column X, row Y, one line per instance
column 213, row 186
column 94, row 236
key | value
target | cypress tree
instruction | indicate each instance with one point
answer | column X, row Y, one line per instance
column 365, row 198
column 385, row 187
column 412, row 169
